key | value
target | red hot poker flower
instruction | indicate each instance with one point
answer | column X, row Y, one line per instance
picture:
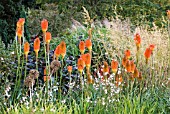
column 147, row 54
column 36, row 46
column 48, row 37
column 114, row 66
column 80, row 65
column 137, row 40
column 168, row 14
column 128, row 66
column 106, row 68
column 57, row 52
column 63, row 49
column 69, row 68
column 152, row 46
column 44, row 25
column 26, row 49
column 82, row 47
column 127, row 53
column 124, row 61
column 19, row 34
column 133, row 66
column 88, row 44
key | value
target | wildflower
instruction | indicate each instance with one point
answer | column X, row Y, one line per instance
column 114, row 66
column 69, row 68
column 106, row 68
column 82, row 47
column 34, row 74
column 20, row 22
column 127, row 53
column 133, row 66
column 137, row 40
column 152, row 46
column 26, row 49
column 44, row 25
column 80, row 65
column 89, row 79
column 45, row 76
column 136, row 73
column 168, row 14
column 48, row 37
column 128, row 66
column 36, row 46
column 57, row 52
column 124, row 61
column 63, row 49
column 88, row 44
column 87, row 60
column 55, row 65
column 118, row 79
column 147, row 54
column 19, row 34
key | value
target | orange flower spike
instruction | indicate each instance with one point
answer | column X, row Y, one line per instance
column 140, row 76
column 48, row 37
column 88, row 44
column 136, row 73
column 57, row 52
column 147, row 54
column 137, row 40
column 114, row 66
column 127, row 53
column 36, row 46
column 19, row 34
column 88, row 60
column 69, row 68
column 26, row 49
column 133, row 66
column 45, row 76
column 63, row 49
column 80, row 65
column 128, row 66
column 152, row 46
column 82, row 47
column 168, row 14
column 22, row 21
column 44, row 25
column 106, row 68
column 124, row 61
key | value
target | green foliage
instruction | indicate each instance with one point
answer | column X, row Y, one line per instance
column 10, row 12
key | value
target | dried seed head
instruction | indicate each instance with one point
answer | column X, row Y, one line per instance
column 55, row 65
column 34, row 74
column 29, row 81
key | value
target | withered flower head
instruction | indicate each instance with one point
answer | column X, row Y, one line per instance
column 34, row 73
column 55, row 65
column 29, row 81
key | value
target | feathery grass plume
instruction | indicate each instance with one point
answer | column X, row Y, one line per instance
column 147, row 54
column 136, row 73
column 80, row 65
column 137, row 41
column 82, row 47
column 34, row 74
column 36, row 46
column 128, row 66
column 19, row 34
column 57, row 52
column 44, row 25
column 70, row 68
column 124, row 61
column 88, row 44
column 26, row 49
column 168, row 14
column 55, row 65
column 45, row 78
column 63, row 49
column 29, row 81
column 133, row 66
column 114, row 66
column 106, row 68
column 47, row 40
column 127, row 54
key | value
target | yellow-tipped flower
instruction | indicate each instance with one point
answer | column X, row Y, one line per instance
column 26, row 49
column 69, row 68
column 80, row 65
column 48, row 37
column 114, row 66
column 82, row 47
column 44, row 25
column 36, row 46
column 88, row 44
column 63, row 49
